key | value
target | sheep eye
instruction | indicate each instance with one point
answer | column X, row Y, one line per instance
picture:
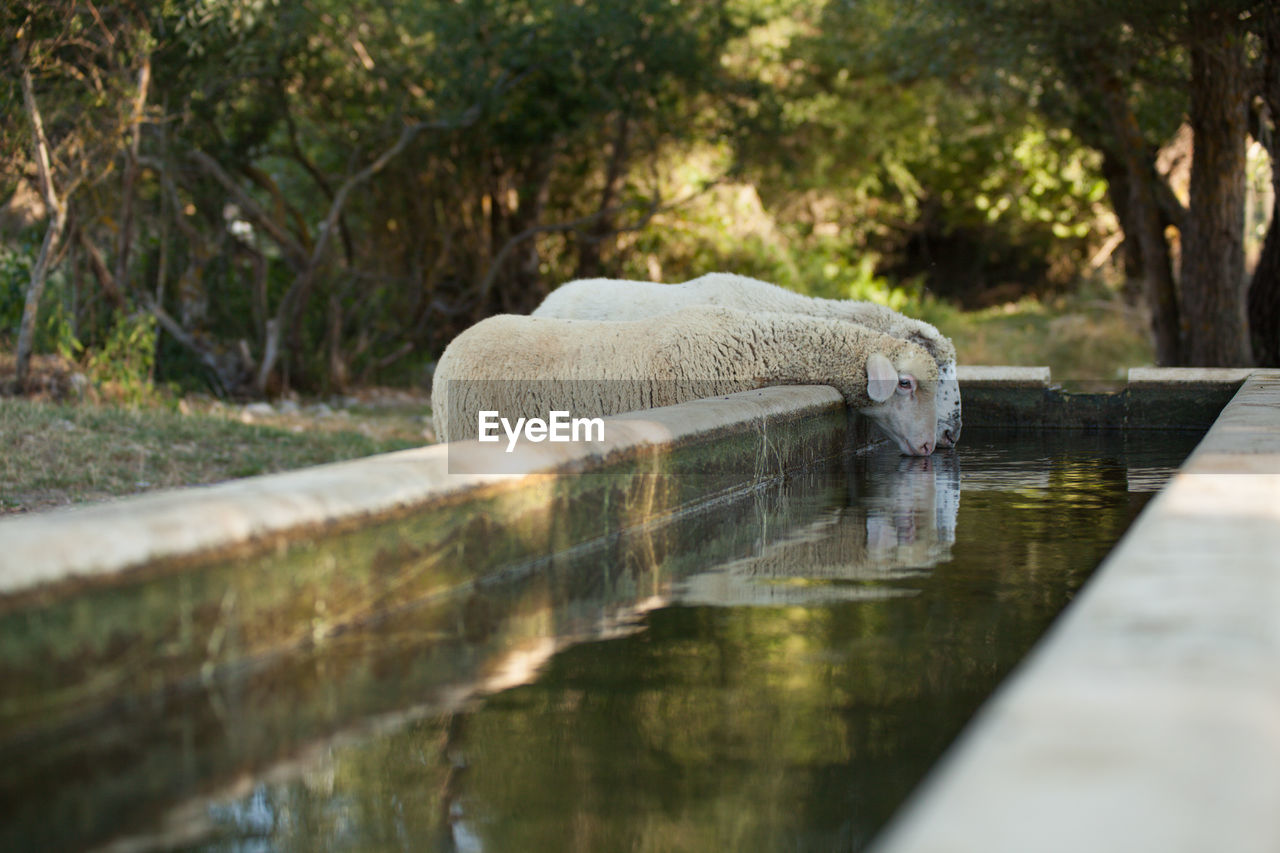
column 905, row 382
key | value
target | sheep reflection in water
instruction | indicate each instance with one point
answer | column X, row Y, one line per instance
column 899, row 521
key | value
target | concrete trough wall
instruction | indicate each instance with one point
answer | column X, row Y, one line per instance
column 1153, row 398
column 247, row 668
column 707, row 448
column 210, row 578
column 257, row 612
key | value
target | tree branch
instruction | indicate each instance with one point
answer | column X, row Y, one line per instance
column 125, row 236
column 656, row 207
column 320, row 180
column 43, row 165
column 293, row 250
column 52, row 237
column 106, row 280
column 302, row 283
column 1171, row 208
column 406, row 136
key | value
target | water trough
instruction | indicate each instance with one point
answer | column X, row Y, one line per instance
column 214, row 589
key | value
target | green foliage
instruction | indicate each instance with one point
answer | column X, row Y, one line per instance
column 125, row 362
column 1087, row 335
column 61, row 334
column 919, row 165
column 15, row 271
column 56, row 330
column 895, row 152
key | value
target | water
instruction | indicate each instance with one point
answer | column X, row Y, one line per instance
column 776, row 675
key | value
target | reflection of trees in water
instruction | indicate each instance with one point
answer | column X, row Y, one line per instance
column 759, row 727
column 772, row 727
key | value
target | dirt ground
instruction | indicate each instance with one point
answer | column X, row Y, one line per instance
column 51, row 378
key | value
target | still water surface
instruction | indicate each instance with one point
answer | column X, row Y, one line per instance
column 785, row 698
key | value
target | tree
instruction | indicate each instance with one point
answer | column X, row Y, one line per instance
column 1264, row 289
column 77, row 68
column 1137, row 202
column 539, row 114
column 57, row 207
column 1213, row 308
column 1140, row 64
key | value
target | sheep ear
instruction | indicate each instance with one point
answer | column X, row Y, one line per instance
column 882, row 378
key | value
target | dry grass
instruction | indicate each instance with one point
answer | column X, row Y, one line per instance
column 1079, row 338
column 58, row 454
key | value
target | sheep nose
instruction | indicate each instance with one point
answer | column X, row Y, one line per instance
column 926, row 448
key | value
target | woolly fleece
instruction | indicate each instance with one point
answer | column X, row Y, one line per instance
column 527, row 366
column 617, row 299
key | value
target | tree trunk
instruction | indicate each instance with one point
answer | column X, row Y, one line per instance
column 590, row 260
column 1144, row 214
column 52, row 236
column 35, row 290
column 1213, row 244
column 128, row 191
column 339, row 370
column 270, row 352
column 1264, row 294
column 1117, row 178
column 1264, row 290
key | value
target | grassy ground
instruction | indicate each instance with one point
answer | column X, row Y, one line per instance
column 1080, row 337
column 58, row 454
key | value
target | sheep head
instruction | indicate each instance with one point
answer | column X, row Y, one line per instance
column 944, row 354
column 903, row 393
column 949, row 421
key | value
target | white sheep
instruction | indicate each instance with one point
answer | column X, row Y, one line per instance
column 614, row 299
column 529, row 366
column 900, row 519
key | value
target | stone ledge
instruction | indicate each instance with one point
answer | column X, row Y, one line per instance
column 1002, row 376
column 1207, row 375
column 1153, row 398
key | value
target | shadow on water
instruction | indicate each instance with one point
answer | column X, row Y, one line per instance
column 776, row 672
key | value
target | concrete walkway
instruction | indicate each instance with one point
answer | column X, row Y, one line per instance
column 1149, row 718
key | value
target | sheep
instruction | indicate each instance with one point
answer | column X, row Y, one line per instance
column 522, row 366
column 613, row 299
column 900, row 519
